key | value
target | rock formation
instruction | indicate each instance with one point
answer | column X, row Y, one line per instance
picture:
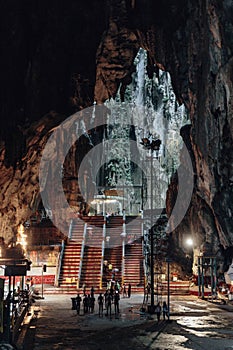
column 49, row 64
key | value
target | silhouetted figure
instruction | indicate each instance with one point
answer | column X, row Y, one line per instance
column 124, row 291
column 129, row 290
column 109, row 304
column 116, row 302
column 158, row 311
column 165, row 310
column 85, row 304
column 92, row 303
column 101, row 304
column 78, row 303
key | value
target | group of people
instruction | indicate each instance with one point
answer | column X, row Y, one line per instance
column 112, row 298
column 162, row 310
column 109, row 298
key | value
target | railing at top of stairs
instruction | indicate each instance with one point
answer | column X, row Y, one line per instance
column 58, row 269
column 82, row 254
column 102, row 253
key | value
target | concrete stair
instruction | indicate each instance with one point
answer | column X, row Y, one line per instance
column 71, row 258
column 176, row 287
column 92, row 259
column 134, row 270
column 113, row 248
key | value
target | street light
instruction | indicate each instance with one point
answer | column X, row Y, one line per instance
column 152, row 145
column 189, row 242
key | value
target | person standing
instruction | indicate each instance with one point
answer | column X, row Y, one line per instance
column 129, row 290
column 110, row 268
column 124, row 291
column 109, row 304
column 116, row 302
column 101, row 304
column 158, row 311
column 85, row 304
column 92, row 303
column 165, row 310
column 78, row 302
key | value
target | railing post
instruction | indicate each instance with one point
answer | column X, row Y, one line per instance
column 123, row 250
column 60, row 257
column 168, row 288
column 102, row 253
column 81, row 255
column 143, row 250
column 70, row 229
column 199, row 276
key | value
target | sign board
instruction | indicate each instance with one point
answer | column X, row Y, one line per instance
column 16, row 270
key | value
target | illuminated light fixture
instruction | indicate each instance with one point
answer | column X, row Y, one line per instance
column 189, row 242
column 21, row 237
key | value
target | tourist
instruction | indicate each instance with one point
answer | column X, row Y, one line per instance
column 85, row 304
column 116, row 302
column 101, row 302
column 110, row 267
column 129, row 290
column 92, row 303
column 124, row 291
column 105, row 266
column 165, row 310
column 109, row 304
column 158, row 311
column 78, row 302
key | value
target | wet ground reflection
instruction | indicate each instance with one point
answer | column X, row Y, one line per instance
column 195, row 324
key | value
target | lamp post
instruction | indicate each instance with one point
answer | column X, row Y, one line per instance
column 152, row 145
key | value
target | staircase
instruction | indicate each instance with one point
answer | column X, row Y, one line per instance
column 92, row 259
column 176, row 287
column 71, row 258
column 134, row 270
column 113, row 248
column 90, row 264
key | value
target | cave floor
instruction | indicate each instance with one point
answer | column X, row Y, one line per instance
column 195, row 324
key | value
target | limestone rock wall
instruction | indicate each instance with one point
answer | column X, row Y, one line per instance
column 196, row 47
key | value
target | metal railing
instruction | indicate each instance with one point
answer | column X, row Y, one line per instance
column 59, row 263
column 143, row 251
column 123, row 250
column 102, row 253
column 81, row 255
column 70, row 229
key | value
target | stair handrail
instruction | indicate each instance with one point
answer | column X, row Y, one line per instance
column 58, row 269
column 143, row 252
column 102, row 252
column 70, row 229
column 82, row 254
column 123, row 249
